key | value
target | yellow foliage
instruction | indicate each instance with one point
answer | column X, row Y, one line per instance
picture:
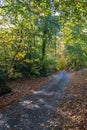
column 20, row 55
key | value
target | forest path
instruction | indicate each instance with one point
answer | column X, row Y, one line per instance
column 36, row 111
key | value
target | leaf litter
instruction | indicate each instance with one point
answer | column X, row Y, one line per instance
column 22, row 89
column 72, row 109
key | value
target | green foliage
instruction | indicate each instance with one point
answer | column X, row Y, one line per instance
column 76, row 57
column 75, row 46
column 4, row 88
column 28, row 67
column 74, row 11
column 61, row 63
column 48, row 64
column 34, row 40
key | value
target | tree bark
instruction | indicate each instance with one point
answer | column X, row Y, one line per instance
column 43, row 48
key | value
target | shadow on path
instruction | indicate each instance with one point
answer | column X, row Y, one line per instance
column 36, row 111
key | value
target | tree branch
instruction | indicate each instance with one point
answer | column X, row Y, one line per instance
column 24, row 4
column 3, row 6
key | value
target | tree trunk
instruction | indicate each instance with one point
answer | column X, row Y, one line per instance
column 43, row 48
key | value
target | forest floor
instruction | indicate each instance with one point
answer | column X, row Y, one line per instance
column 72, row 108
column 22, row 89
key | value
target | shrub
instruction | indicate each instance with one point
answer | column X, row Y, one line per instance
column 3, row 87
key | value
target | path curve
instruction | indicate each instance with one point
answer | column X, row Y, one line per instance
column 36, row 111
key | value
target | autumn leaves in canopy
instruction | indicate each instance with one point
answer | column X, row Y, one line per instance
column 40, row 36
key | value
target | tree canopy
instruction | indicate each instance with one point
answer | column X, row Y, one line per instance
column 40, row 36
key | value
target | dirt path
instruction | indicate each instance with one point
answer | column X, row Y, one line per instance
column 21, row 89
column 72, row 108
column 36, row 112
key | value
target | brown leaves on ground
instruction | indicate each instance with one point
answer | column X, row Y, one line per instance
column 72, row 109
column 21, row 89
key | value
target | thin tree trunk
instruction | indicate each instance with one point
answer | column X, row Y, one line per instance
column 55, row 47
column 43, row 48
column 34, row 41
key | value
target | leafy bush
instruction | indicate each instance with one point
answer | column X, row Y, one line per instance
column 76, row 57
column 48, row 65
column 28, row 68
column 61, row 63
column 3, row 87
